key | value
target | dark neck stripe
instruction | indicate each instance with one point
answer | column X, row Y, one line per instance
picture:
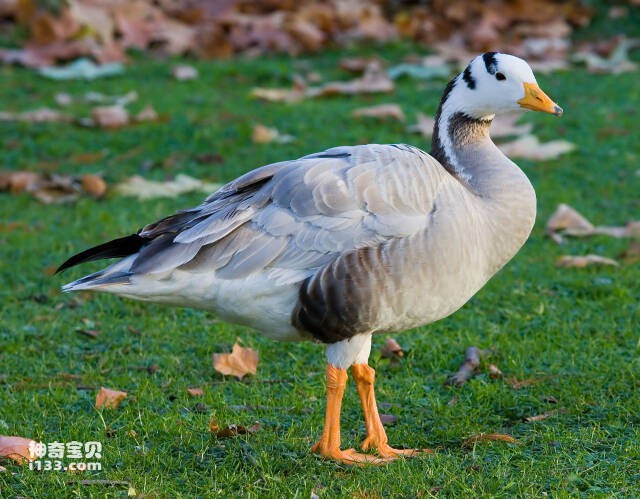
column 466, row 76
column 437, row 148
column 461, row 129
column 490, row 62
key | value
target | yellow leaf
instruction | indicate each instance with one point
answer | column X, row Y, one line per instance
column 240, row 362
column 109, row 399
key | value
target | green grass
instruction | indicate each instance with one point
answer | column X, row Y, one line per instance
column 575, row 329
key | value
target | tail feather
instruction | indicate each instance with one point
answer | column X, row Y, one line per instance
column 96, row 280
column 116, row 248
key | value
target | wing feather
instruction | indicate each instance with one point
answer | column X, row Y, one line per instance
column 293, row 218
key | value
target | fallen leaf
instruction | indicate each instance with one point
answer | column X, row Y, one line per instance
column 391, row 349
column 120, row 100
column 388, row 419
column 94, row 185
column 584, row 261
column 617, row 62
column 263, row 135
column 147, row 114
column 41, row 115
column 517, row 384
column 240, row 362
column 63, row 99
column 93, row 333
column 488, row 437
column 148, row 189
column 467, row 368
column 233, row 429
column 288, row 95
column 420, row 71
column 541, row 417
column 82, row 69
column 424, row 125
column 109, row 399
column 195, row 392
column 380, row 111
column 15, row 448
column 110, row 116
column 18, row 181
column 567, row 219
column 374, row 80
column 494, row 371
column 356, row 64
column 632, row 253
column 528, row 146
column 183, row 73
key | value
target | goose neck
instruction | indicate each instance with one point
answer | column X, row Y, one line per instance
column 454, row 134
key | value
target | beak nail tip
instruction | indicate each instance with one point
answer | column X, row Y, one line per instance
column 557, row 110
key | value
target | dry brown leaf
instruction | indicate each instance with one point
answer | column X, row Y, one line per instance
column 18, row 181
column 567, row 219
column 381, row 111
column 374, row 80
column 388, row 419
column 109, row 399
column 391, row 349
column 183, row 73
column 232, row 430
column 517, row 384
column 195, row 392
column 92, row 333
column 616, row 62
column 579, row 261
column 52, row 188
column 356, row 64
column 288, row 95
column 489, row 437
column 467, row 368
column 541, row 417
column 240, row 362
column 424, row 125
column 142, row 188
column 110, row 116
column 528, row 146
column 40, row 115
column 94, row 185
column 263, row 135
column 15, row 448
column 495, row 372
column 147, row 114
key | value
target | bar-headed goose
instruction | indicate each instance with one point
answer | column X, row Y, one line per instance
column 356, row 240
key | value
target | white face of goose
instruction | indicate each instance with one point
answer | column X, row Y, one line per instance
column 496, row 83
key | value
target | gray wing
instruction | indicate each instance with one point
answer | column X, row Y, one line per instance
column 293, row 218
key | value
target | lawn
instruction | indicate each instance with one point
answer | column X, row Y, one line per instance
column 575, row 331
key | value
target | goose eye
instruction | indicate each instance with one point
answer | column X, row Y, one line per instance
column 500, row 76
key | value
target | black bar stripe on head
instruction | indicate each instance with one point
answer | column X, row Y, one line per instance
column 490, row 62
column 466, row 76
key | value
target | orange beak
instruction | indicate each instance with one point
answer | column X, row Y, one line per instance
column 536, row 100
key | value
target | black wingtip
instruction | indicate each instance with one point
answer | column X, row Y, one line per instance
column 117, row 248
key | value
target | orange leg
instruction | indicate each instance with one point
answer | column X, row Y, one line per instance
column 364, row 376
column 329, row 444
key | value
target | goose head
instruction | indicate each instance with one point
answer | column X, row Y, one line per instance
column 495, row 83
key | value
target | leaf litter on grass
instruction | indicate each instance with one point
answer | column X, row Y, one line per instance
column 240, row 362
column 16, row 448
column 108, row 398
